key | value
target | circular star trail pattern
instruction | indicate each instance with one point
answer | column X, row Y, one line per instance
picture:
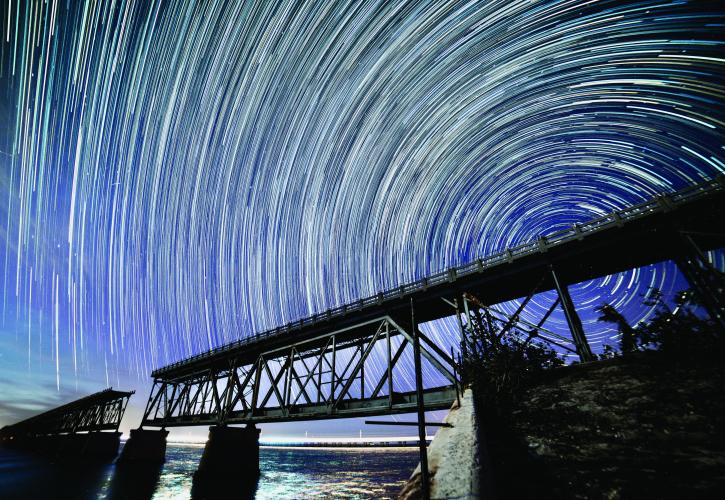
column 178, row 176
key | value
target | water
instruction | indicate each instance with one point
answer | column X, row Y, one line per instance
column 286, row 473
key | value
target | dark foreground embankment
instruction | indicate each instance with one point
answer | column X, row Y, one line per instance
column 641, row 426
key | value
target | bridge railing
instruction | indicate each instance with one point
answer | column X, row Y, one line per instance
column 660, row 203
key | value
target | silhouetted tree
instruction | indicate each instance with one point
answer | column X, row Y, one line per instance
column 628, row 336
column 680, row 330
column 676, row 330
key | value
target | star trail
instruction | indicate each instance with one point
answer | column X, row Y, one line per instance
column 177, row 175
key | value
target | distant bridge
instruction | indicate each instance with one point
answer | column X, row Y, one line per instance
column 101, row 411
column 74, row 428
column 323, row 366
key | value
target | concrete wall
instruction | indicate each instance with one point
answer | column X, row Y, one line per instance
column 453, row 457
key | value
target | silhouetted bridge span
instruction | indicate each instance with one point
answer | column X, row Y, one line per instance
column 347, row 362
column 76, row 427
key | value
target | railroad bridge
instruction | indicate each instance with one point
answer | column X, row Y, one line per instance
column 346, row 362
column 80, row 427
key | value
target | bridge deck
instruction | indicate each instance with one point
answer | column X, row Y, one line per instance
column 635, row 236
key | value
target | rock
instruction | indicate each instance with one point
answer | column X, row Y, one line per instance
column 632, row 427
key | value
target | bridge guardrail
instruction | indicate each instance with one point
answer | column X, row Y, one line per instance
column 662, row 202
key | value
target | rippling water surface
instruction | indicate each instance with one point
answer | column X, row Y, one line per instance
column 286, row 473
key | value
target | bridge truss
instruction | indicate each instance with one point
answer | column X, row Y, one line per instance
column 101, row 411
column 333, row 375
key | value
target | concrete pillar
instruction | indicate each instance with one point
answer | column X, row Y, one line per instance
column 92, row 445
column 101, row 445
column 71, row 445
column 230, row 462
column 232, row 447
column 145, row 445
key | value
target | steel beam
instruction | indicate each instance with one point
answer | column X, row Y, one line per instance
column 422, row 444
column 706, row 282
column 572, row 319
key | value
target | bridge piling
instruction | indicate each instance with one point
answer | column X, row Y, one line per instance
column 423, row 445
column 230, row 461
column 145, row 445
column 101, row 444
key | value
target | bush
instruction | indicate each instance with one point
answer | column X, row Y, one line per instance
column 677, row 331
column 500, row 358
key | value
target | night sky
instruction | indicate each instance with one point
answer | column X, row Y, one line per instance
column 177, row 175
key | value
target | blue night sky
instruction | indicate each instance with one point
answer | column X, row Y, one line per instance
column 177, row 175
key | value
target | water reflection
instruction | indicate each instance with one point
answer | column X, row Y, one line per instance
column 134, row 480
column 223, row 486
column 25, row 476
column 286, row 473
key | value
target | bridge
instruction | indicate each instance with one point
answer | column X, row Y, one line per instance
column 294, row 372
column 329, row 374
column 76, row 427
column 348, row 361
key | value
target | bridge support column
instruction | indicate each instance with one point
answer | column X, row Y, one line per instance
column 145, row 445
column 422, row 443
column 572, row 319
column 92, row 445
column 232, row 447
column 230, row 462
column 102, row 444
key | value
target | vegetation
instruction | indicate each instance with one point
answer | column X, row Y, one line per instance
column 500, row 357
column 680, row 330
column 628, row 336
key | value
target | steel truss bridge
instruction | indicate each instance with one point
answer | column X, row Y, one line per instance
column 323, row 366
column 101, row 411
